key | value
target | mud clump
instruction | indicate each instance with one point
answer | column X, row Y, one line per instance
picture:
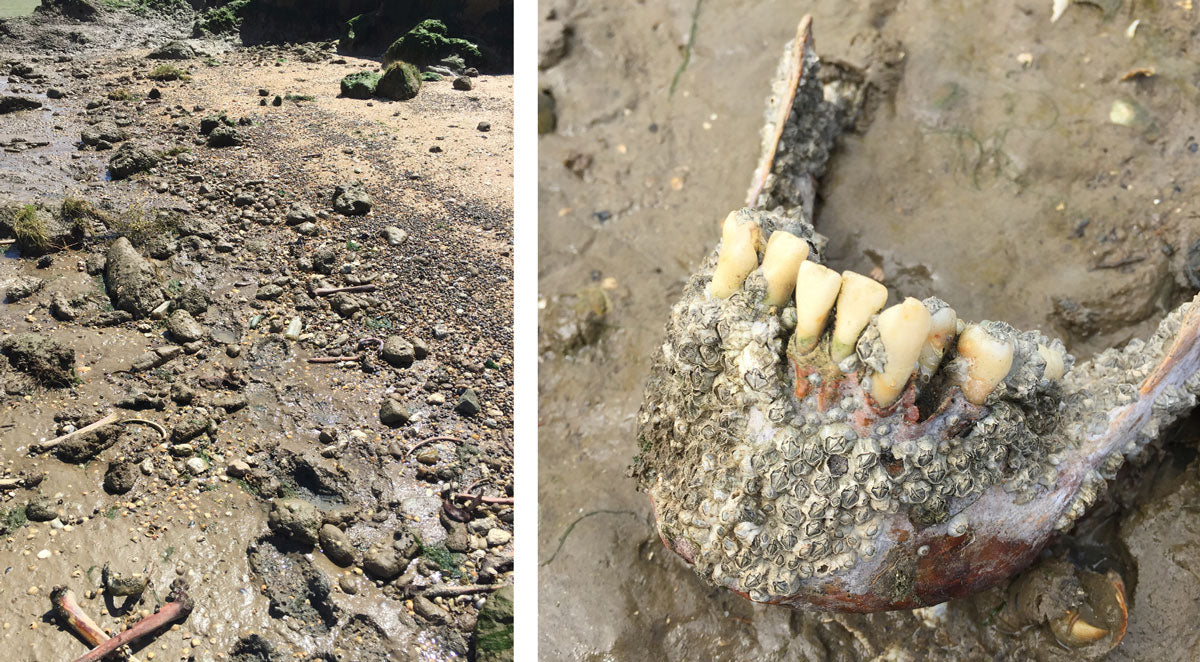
column 295, row 519
column 295, row 588
column 131, row 280
column 48, row 361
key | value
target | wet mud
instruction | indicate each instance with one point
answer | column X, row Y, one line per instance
column 1041, row 179
column 225, row 419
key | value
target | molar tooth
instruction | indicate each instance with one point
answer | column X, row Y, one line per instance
column 943, row 324
column 785, row 251
column 1055, row 366
column 903, row 329
column 860, row 298
column 988, row 361
column 738, row 256
column 816, row 289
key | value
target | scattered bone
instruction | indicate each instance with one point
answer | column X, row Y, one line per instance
column 177, row 607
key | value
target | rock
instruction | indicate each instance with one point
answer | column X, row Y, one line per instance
column 41, row 508
column 336, row 545
column 351, row 200
column 37, row 229
column 457, row 538
column 225, row 136
column 131, row 159
column 430, row 611
column 382, row 563
column 154, row 93
column 468, row 403
column 308, row 229
column 210, row 122
column 173, row 50
column 82, row 10
column 300, row 213
column 428, row 42
column 197, row 465
column 398, row 352
column 393, row 235
column 494, row 628
column 393, row 414
column 420, row 349
column 61, row 308
column 194, row 300
column 48, row 361
column 463, row 83
column 12, row 104
column 401, row 81
column 55, row 93
column 184, row 328
column 24, row 287
column 269, row 292
column 132, row 283
column 120, row 477
column 360, row 85
column 498, row 537
column 102, row 131
column 348, row 584
column 295, row 519
column 237, row 469
column 484, row 127
column 189, row 428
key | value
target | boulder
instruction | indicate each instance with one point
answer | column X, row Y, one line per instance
column 361, row 84
column 132, row 283
column 173, row 50
column 401, row 81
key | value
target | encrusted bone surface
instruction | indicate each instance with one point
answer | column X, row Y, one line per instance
column 779, row 477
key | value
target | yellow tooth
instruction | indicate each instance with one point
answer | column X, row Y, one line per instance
column 1055, row 367
column 816, row 289
column 942, row 326
column 860, row 298
column 903, row 329
column 785, row 251
column 988, row 361
column 738, row 256
column 1071, row 630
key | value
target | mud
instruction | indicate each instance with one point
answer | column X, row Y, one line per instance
column 245, row 418
column 986, row 172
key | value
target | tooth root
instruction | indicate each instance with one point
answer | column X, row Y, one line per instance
column 1055, row 365
column 942, row 327
column 903, row 329
column 1071, row 630
column 860, row 298
column 988, row 361
column 781, row 262
column 738, row 256
column 817, row 288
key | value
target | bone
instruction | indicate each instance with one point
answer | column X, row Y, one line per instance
column 785, row 251
column 989, row 359
column 738, row 256
column 943, row 325
column 817, row 288
column 177, row 607
column 903, row 329
column 860, row 298
column 47, row 445
column 66, row 608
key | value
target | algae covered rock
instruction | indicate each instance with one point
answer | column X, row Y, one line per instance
column 494, row 628
column 360, row 85
column 429, row 42
column 401, row 81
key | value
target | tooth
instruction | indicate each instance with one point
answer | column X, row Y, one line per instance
column 903, row 329
column 1071, row 630
column 816, row 289
column 943, row 324
column 988, row 361
column 1055, row 367
column 860, row 298
column 738, row 256
column 785, row 251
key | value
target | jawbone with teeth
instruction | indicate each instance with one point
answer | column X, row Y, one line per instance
column 805, row 444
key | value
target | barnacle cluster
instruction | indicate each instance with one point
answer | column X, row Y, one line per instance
column 781, row 434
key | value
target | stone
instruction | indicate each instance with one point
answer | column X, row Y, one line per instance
column 494, row 627
column 498, row 537
column 269, row 292
column 41, row 508
column 401, row 81
column 120, row 477
column 12, row 104
column 360, row 85
column 468, row 403
column 197, row 465
column 295, row 519
column 393, row 235
column 398, row 352
column 189, row 428
column 351, row 200
column 104, row 130
column 131, row 159
column 237, row 469
column 393, row 414
column 484, row 127
column 382, row 563
column 430, row 611
column 225, row 136
column 463, row 83
column 300, row 213
column 184, row 328
column 24, row 287
column 336, row 545
column 47, row 360
column 173, row 50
